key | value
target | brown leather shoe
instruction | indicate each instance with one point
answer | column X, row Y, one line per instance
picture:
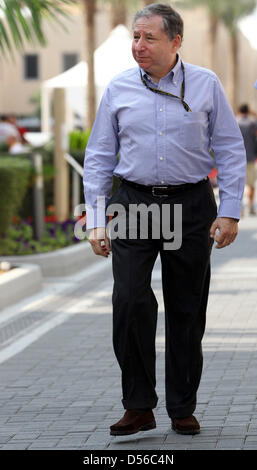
column 187, row 425
column 133, row 421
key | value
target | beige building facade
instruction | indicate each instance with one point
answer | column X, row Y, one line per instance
column 16, row 90
column 66, row 46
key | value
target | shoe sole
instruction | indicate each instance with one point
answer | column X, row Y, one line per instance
column 189, row 431
column 146, row 427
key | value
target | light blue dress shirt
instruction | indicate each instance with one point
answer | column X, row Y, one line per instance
column 160, row 143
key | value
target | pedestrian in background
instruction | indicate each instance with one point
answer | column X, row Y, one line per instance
column 7, row 130
column 248, row 126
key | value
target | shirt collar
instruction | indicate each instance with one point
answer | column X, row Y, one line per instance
column 173, row 73
column 176, row 69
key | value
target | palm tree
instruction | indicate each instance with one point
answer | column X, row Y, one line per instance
column 229, row 12
column 213, row 7
column 119, row 9
column 89, row 8
column 21, row 21
column 118, row 12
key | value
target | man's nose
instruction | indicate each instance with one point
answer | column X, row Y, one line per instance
column 140, row 44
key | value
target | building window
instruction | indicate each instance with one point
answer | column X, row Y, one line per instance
column 69, row 60
column 31, row 67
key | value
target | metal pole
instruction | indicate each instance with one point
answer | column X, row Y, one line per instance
column 61, row 181
column 38, row 197
column 75, row 189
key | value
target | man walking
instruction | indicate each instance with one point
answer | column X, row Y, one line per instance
column 248, row 127
column 162, row 117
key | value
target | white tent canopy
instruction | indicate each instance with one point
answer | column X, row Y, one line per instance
column 111, row 58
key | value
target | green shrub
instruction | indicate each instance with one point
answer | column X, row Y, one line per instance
column 26, row 209
column 3, row 147
column 14, row 177
column 19, row 238
column 78, row 139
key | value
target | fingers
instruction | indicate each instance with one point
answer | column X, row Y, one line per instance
column 222, row 244
column 213, row 228
column 100, row 242
column 224, row 231
column 100, row 247
column 224, row 238
column 105, row 246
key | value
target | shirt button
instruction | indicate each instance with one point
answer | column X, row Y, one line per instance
column 175, row 83
column 163, row 182
column 160, row 133
column 161, row 158
column 161, row 109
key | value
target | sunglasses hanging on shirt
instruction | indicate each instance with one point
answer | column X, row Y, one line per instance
column 161, row 92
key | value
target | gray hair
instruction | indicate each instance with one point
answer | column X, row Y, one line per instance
column 172, row 21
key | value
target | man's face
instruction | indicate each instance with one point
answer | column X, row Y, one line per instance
column 151, row 47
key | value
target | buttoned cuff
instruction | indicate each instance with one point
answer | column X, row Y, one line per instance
column 230, row 208
column 96, row 216
column 92, row 221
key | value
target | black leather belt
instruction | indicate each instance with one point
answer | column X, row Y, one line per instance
column 162, row 191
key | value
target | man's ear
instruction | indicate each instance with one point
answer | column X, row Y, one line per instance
column 176, row 43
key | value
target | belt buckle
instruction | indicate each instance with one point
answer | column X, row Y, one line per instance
column 159, row 187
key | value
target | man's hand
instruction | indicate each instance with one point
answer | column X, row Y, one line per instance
column 99, row 241
column 227, row 231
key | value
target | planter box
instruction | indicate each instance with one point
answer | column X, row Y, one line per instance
column 18, row 283
column 61, row 262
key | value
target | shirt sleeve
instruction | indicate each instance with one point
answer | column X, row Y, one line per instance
column 100, row 161
column 229, row 152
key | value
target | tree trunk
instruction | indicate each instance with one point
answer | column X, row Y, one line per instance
column 118, row 14
column 214, row 22
column 234, row 51
column 89, row 10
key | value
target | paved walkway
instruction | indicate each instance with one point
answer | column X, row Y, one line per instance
column 60, row 382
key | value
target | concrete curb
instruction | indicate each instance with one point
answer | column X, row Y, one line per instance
column 18, row 283
column 61, row 262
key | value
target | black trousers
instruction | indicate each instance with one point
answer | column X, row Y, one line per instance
column 185, row 283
